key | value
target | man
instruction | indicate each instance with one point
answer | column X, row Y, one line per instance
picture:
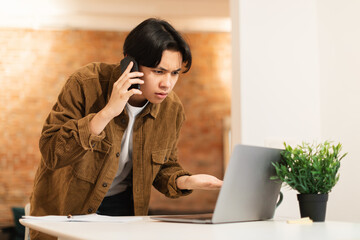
column 105, row 144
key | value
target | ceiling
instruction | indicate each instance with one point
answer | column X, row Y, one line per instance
column 116, row 15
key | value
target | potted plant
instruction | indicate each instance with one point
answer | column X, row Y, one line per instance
column 312, row 170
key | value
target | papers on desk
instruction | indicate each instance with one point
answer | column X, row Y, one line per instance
column 83, row 218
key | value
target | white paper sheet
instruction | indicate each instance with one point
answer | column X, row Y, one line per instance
column 82, row 218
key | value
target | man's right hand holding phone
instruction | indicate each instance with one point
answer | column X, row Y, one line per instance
column 119, row 97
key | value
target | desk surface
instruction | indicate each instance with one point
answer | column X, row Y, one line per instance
column 151, row 229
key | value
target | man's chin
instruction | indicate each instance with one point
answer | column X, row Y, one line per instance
column 156, row 101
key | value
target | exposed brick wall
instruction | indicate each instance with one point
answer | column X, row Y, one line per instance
column 34, row 66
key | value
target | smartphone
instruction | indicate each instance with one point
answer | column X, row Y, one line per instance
column 123, row 65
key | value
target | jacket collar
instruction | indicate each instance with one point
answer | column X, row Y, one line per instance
column 152, row 109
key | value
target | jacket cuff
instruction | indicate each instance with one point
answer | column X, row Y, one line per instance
column 88, row 140
column 174, row 191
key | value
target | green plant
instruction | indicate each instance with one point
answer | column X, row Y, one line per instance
column 310, row 168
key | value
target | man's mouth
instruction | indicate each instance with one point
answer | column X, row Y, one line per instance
column 161, row 95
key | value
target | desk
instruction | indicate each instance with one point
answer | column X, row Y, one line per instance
column 154, row 230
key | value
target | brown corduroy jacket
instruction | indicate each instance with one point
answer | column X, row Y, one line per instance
column 77, row 168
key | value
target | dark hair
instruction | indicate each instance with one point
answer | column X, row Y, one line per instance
column 149, row 39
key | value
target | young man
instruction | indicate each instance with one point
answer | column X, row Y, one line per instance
column 104, row 145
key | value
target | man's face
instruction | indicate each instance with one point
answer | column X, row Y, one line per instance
column 159, row 81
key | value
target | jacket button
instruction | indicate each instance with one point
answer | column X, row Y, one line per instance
column 104, row 184
column 117, row 154
column 90, row 210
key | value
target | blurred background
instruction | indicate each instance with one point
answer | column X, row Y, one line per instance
column 43, row 42
column 275, row 71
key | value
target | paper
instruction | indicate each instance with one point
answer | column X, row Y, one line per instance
column 305, row 220
column 82, row 218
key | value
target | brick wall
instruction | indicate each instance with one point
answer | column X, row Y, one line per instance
column 34, row 66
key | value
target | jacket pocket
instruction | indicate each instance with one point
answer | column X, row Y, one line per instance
column 158, row 158
column 89, row 167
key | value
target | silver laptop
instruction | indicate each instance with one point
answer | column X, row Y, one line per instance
column 247, row 193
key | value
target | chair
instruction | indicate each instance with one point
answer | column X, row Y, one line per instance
column 19, row 230
column 27, row 213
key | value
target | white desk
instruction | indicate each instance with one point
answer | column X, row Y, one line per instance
column 150, row 229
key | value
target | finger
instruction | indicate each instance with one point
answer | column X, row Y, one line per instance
column 128, row 76
column 134, row 74
column 129, row 67
column 132, row 81
column 127, row 70
column 133, row 91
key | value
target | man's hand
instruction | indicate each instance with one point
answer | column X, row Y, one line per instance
column 120, row 93
column 198, row 181
column 118, row 99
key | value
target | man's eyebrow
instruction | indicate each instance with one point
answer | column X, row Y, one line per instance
column 164, row 69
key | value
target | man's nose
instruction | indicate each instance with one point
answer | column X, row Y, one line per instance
column 166, row 81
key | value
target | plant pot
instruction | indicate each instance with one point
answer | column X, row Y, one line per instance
column 313, row 206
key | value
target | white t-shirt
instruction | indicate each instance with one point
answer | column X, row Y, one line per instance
column 120, row 182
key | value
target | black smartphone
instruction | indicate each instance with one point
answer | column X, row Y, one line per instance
column 123, row 65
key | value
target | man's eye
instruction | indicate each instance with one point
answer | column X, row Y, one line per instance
column 176, row 73
column 158, row 71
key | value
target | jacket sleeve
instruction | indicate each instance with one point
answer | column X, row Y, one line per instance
column 66, row 136
column 165, row 180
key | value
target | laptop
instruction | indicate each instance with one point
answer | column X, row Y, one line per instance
column 247, row 193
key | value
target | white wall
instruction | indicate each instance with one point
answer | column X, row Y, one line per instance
column 295, row 67
column 339, row 35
